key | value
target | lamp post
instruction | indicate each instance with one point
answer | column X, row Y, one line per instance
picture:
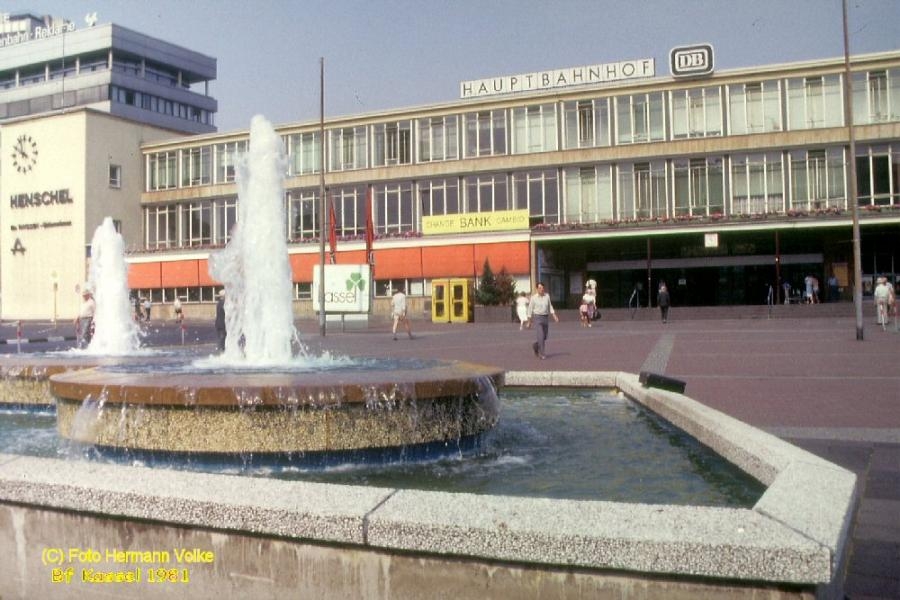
column 851, row 192
column 322, row 212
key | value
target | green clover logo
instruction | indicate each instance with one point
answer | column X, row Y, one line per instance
column 356, row 281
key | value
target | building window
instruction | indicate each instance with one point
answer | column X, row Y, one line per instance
column 226, row 157
column 534, row 129
column 586, row 123
column 197, row 224
column 754, row 107
column 161, row 226
column 162, row 171
column 348, row 148
column 225, row 212
column 302, row 290
column 699, row 188
column 439, row 197
column 538, row 191
column 696, row 112
column 485, row 133
column 817, row 179
column 588, row 196
column 486, row 193
column 392, row 143
column 814, row 102
column 876, row 96
column 196, row 166
column 757, row 185
column 392, row 212
column 642, row 191
column 640, row 118
column 115, row 176
column 303, row 211
column 304, row 153
column 878, row 176
column 349, row 210
column 438, row 138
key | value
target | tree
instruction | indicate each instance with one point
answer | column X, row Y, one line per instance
column 487, row 293
column 506, row 287
column 494, row 290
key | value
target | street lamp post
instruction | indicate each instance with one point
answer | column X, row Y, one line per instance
column 851, row 192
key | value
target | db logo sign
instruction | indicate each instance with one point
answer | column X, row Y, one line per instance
column 691, row 61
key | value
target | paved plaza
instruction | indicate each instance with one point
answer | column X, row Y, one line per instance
column 803, row 377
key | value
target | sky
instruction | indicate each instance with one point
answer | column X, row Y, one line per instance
column 392, row 54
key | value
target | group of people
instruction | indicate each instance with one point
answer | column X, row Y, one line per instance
column 142, row 308
column 588, row 309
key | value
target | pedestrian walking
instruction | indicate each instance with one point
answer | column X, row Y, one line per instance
column 540, row 310
column 398, row 313
column 178, row 311
column 522, row 310
column 588, row 306
column 884, row 301
column 84, row 322
column 664, row 301
column 221, row 328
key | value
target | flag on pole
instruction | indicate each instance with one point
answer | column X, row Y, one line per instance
column 370, row 228
column 332, row 231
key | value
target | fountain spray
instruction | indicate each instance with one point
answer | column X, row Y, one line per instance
column 254, row 266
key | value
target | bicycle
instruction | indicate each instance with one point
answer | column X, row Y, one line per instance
column 634, row 301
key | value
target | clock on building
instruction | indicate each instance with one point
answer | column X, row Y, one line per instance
column 25, row 153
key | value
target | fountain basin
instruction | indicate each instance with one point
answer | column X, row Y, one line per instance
column 366, row 542
column 25, row 378
column 276, row 412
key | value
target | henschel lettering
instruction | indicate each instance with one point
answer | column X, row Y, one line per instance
column 46, row 198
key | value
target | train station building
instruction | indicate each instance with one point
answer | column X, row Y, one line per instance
column 628, row 172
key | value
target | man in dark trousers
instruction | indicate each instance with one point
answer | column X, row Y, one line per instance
column 220, row 320
column 662, row 299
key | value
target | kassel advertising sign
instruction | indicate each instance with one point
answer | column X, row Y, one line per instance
column 347, row 288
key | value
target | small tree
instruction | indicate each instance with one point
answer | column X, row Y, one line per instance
column 487, row 293
column 506, row 287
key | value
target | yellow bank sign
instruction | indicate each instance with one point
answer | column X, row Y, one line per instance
column 502, row 220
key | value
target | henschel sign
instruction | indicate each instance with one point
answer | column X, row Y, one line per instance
column 691, row 61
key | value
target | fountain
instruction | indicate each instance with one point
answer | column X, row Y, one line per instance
column 257, row 396
column 115, row 332
column 24, row 379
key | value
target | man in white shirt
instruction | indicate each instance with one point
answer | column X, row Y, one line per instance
column 540, row 309
column 398, row 312
column 84, row 322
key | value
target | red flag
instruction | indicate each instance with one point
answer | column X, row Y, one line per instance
column 332, row 231
column 370, row 228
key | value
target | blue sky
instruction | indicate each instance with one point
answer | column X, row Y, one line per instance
column 384, row 54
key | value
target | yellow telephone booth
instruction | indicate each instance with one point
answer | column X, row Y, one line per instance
column 462, row 301
column 440, row 297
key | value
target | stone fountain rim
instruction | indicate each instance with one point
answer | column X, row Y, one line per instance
column 439, row 379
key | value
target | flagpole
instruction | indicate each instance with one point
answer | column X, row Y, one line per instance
column 322, row 213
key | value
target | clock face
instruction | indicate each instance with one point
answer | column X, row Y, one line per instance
column 24, row 153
